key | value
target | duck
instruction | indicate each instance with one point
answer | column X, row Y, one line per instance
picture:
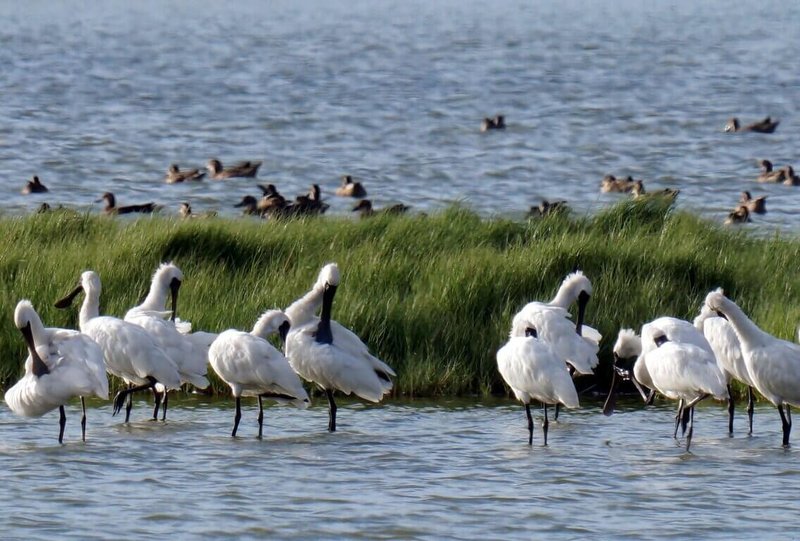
column 546, row 208
column 739, row 215
column 34, row 185
column 496, row 123
column 619, row 185
column 246, row 169
column 185, row 211
column 364, row 208
column 310, row 203
column 762, row 126
column 757, row 205
column 789, row 176
column 349, row 188
column 638, row 192
column 768, row 174
column 112, row 208
column 175, row 175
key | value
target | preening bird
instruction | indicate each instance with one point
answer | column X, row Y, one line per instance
column 130, row 352
column 326, row 353
column 251, row 366
column 61, row 364
column 534, row 372
column 189, row 352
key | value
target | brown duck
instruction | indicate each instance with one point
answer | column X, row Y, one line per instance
column 754, row 206
column 768, row 174
column 240, row 170
column 546, row 208
column 364, row 208
column 175, row 175
column 112, row 208
column 349, row 188
column 496, row 123
column 34, row 185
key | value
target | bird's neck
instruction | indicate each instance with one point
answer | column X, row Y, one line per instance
column 90, row 308
column 748, row 332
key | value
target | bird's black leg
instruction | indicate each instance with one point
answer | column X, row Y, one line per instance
column 237, row 417
column 545, row 424
column 750, row 407
column 83, row 419
column 530, row 423
column 260, row 417
column 685, row 420
column 331, row 411
column 558, row 408
column 691, row 428
column 129, row 405
column 786, row 421
column 62, row 422
column 164, row 405
column 678, row 417
column 730, row 410
column 157, row 401
column 119, row 400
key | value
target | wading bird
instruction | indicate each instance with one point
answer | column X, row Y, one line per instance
column 251, row 366
column 130, row 352
column 326, row 353
column 61, row 364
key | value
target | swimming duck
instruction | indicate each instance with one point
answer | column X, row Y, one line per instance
column 638, row 191
column 112, row 208
column 240, row 170
column 548, row 207
column 310, row 203
column 34, row 185
column 496, row 123
column 175, row 175
column 763, row 126
column 349, row 188
column 249, row 206
column 364, row 208
column 621, row 185
column 768, row 174
column 739, row 215
column 789, row 177
column 756, row 206
column 185, row 211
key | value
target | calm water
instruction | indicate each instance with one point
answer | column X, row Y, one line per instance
column 447, row 470
column 105, row 97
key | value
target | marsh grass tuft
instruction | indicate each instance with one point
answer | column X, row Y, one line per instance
column 431, row 295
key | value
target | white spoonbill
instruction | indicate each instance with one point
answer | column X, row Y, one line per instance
column 685, row 372
column 189, row 353
column 723, row 340
column 130, row 351
column 773, row 364
column 253, row 367
column 326, row 353
column 61, row 364
column 534, row 372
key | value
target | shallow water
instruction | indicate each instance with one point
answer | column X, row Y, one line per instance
column 105, row 97
column 411, row 470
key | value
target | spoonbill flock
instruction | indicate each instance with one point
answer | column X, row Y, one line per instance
column 152, row 349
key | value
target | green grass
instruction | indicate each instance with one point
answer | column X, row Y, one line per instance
column 431, row 295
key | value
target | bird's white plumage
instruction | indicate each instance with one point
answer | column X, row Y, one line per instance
column 345, row 365
column 75, row 365
column 251, row 366
column 534, row 372
column 553, row 326
column 130, row 352
column 773, row 365
column 303, row 310
column 684, row 371
column 189, row 355
column 723, row 340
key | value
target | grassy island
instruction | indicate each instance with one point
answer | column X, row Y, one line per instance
column 431, row 295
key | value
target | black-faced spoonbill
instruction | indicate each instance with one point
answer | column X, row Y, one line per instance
column 62, row 364
column 130, row 351
column 326, row 353
column 251, row 366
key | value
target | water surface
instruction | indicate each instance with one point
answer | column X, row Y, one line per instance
column 403, row 470
column 105, row 97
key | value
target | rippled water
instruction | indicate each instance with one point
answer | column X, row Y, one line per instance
column 404, row 470
column 105, row 97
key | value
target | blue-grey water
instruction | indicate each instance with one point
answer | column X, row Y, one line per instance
column 404, row 470
column 104, row 96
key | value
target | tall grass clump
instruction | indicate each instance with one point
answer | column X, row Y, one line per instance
column 431, row 295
